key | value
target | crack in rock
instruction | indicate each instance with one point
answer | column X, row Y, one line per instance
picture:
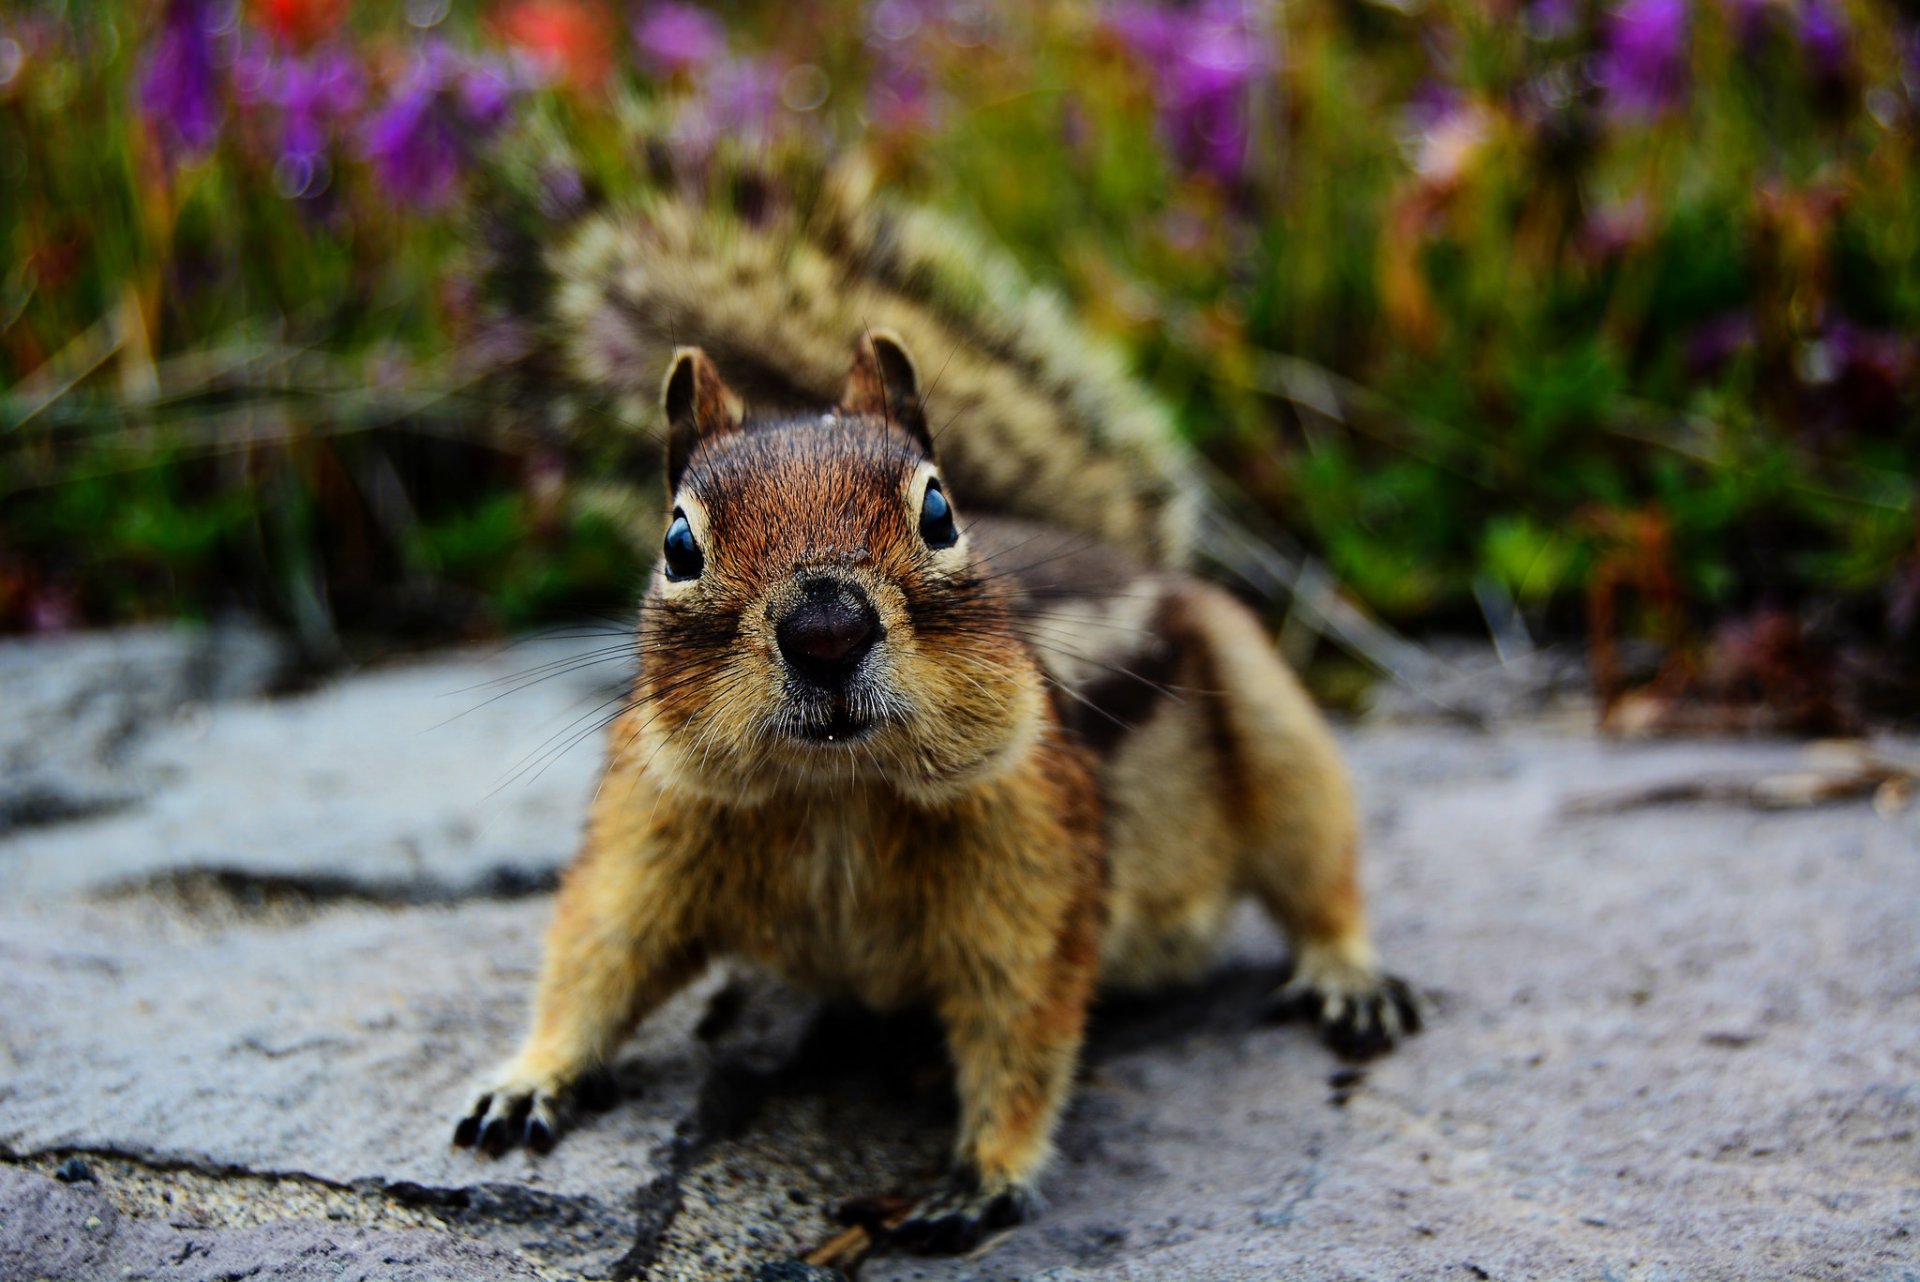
column 229, row 894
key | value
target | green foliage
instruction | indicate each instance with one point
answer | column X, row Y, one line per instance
column 1541, row 316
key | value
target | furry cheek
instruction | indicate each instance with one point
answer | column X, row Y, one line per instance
column 976, row 713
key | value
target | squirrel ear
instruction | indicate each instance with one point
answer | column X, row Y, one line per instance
column 885, row 385
column 698, row 403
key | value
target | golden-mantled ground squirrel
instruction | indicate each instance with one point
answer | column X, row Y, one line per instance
column 928, row 712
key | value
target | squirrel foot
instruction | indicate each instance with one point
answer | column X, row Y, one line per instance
column 961, row 1212
column 1359, row 1010
column 524, row 1107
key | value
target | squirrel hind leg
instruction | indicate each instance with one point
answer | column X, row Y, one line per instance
column 1298, row 832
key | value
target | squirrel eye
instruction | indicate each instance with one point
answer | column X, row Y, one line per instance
column 683, row 555
column 936, row 518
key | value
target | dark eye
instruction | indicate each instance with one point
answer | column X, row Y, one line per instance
column 684, row 559
column 936, row 518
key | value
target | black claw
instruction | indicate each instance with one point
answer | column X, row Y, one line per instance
column 1009, row 1208
column 1360, row 1032
column 539, row 1136
column 1359, row 1036
column 956, row 1220
column 1406, row 1003
column 467, row 1130
column 597, row 1090
column 953, row 1234
column 947, row 1234
column 496, row 1137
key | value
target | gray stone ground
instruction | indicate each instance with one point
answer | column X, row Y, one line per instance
column 254, row 948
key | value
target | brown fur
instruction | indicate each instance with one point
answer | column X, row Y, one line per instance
column 1052, row 769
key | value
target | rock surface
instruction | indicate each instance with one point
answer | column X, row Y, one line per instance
column 418, row 781
column 73, row 706
column 51, row 1230
column 1668, row 1038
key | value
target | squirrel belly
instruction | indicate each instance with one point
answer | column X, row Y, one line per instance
column 855, row 888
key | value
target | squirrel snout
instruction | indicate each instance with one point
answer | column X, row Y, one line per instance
column 824, row 637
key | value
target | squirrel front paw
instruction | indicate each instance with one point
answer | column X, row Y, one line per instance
column 1359, row 1010
column 522, row 1105
column 961, row 1212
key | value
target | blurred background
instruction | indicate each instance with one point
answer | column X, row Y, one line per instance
column 1555, row 324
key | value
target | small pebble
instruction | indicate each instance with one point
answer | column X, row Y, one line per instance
column 796, row 1271
column 74, row 1171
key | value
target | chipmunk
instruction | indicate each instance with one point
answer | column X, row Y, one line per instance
column 928, row 710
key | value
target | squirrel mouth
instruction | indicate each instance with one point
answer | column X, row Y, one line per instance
column 838, row 725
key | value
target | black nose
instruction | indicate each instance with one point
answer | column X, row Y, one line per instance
column 824, row 637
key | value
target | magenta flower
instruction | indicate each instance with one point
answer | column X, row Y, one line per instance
column 1206, row 61
column 1643, row 68
column 420, row 143
column 180, row 92
column 679, row 38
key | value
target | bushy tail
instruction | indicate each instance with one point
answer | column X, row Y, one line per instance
column 1033, row 415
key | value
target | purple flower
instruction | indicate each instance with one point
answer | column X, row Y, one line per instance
column 1643, row 68
column 1205, row 62
column 1718, row 341
column 1825, row 39
column 677, row 38
column 746, row 95
column 420, row 142
column 310, row 98
column 487, row 91
column 1431, row 102
column 900, row 21
column 416, row 148
column 1854, row 380
column 1614, row 230
column 180, row 92
column 739, row 101
column 316, row 94
column 902, row 36
column 1903, row 605
column 1552, row 19
column 901, row 96
column 1751, row 19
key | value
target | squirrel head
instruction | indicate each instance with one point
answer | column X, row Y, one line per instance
column 817, row 613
